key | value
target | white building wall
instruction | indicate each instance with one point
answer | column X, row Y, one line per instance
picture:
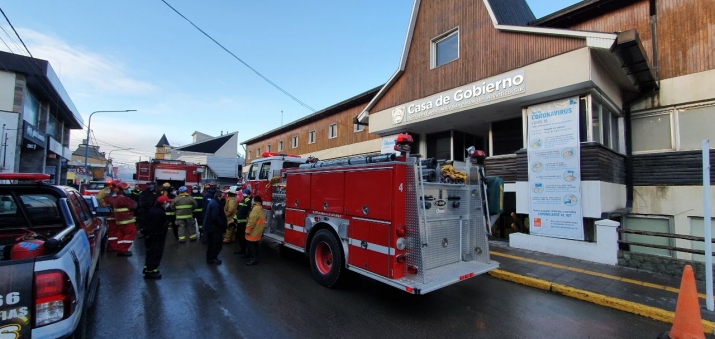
column 7, row 91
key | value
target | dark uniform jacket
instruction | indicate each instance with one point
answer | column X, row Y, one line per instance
column 146, row 201
column 214, row 217
column 155, row 221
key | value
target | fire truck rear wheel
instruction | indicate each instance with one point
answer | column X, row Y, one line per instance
column 326, row 258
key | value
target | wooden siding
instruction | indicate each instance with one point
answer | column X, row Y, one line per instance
column 598, row 163
column 345, row 136
column 670, row 169
column 684, row 33
column 483, row 51
column 503, row 167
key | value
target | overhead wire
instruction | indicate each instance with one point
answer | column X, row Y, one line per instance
column 240, row 60
column 18, row 35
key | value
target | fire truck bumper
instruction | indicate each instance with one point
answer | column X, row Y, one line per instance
column 435, row 278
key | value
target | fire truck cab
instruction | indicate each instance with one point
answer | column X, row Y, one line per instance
column 415, row 224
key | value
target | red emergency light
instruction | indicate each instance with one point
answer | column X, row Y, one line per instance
column 24, row 176
column 404, row 139
column 274, row 154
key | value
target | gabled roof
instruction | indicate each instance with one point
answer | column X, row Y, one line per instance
column 580, row 12
column 512, row 12
column 209, row 146
column 163, row 141
column 93, row 152
column 503, row 20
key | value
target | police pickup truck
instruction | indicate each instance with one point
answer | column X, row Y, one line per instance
column 50, row 242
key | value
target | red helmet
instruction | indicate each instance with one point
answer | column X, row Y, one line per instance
column 122, row 185
column 162, row 199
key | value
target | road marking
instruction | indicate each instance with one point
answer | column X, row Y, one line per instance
column 596, row 298
column 597, row 274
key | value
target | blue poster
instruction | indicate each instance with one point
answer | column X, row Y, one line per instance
column 554, row 169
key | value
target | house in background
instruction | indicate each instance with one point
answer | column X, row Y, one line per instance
column 218, row 156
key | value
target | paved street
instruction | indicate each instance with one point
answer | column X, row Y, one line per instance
column 279, row 299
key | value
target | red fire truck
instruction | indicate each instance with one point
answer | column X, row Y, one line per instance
column 177, row 173
column 393, row 219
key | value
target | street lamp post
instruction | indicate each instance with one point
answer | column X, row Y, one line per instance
column 89, row 124
column 109, row 159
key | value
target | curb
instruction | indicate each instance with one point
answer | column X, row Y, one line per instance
column 596, row 298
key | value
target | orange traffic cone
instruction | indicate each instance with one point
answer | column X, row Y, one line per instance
column 687, row 323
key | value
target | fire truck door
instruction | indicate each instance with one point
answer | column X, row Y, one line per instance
column 294, row 232
column 369, row 193
column 369, row 245
column 327, row 192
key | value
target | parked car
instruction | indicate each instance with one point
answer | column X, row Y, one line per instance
column 93, row 187
column 50, row 242
column 94, row 205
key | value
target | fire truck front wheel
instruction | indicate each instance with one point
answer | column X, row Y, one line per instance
column 326, row 258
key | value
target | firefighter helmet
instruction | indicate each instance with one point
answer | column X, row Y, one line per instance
column 166, row 185
column 183, row 189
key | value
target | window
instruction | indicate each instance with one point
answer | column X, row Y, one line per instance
column 605, row 125
column 250, row 154
column 506, row 136
column 358, row 128
column 258, row 152
column 652, row 131
column 294, row 141
column 333, row 131
column 268, row 148
column 652, row 224
column 697, row 226
column 696, row 124
column 280, row 145
column 265, row 170
column 31, row 109
column 439, row 145
column 445, row 48
column 311, row 137
column 253, row 172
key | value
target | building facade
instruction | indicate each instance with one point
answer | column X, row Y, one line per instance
column 594, row 112
column 37, row 115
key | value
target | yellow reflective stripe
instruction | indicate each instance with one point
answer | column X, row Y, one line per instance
column 126, row 222
column 170, row 213
column 241, row 204
column 241, row 220
column 180, row 217
column 183, row 207
column 198, row 198
column 198, row 210
column 121, row 209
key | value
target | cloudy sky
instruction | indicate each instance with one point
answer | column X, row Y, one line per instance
column 140, row 54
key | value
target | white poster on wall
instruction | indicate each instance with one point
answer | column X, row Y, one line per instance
column 388, row 145
column 554, row 169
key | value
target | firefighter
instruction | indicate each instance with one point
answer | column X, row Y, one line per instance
column 123, row 207
column 244, row 207
column 166, row 190
column 199, row 210
column 214, row 226
column 106, row 192
column 208, row 194
column 146, row 201
column 230, row 209
column 155, row 237
column 184, row 206
column 254, row 230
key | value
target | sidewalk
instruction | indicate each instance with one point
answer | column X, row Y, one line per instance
column 635, row 291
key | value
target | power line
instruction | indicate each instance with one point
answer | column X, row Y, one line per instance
column 241, row 61
column 13, row 29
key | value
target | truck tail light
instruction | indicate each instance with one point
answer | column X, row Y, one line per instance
column 412, row 269
column 400, row 230
column 54, row 297
column 400, row 259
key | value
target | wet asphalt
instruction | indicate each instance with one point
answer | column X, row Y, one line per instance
column 279, row 299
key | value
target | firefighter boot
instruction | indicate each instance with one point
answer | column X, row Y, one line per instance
column 228, row 237
column 153, row 274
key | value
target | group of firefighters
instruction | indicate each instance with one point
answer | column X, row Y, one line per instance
column 219, row 217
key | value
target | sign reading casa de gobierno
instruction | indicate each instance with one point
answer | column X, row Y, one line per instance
column 458, row 99
column 554, row 169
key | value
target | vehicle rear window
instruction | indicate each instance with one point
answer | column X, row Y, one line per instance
column 41, row 210
column 95, row 185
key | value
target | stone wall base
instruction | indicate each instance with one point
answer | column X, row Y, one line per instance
column 658, row 264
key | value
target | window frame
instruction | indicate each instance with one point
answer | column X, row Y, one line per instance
column 311, row 137
column 294, row 141
column 333, row 131
column 268, row 148
column 358, row 128
column 434, row 44
column 280, row 146
column 671, row 229
column 258, row 152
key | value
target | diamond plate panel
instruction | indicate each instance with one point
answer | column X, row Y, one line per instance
column 413, row 251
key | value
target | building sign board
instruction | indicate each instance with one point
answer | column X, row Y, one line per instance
column 169, row 174
column 54, row 146
column 461, row 98
column 33, row 134
column 554, row 169
column 388, row 145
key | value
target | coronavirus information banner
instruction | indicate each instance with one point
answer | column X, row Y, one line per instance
column 554, row 169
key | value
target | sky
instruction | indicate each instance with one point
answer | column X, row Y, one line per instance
column 141, row 55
